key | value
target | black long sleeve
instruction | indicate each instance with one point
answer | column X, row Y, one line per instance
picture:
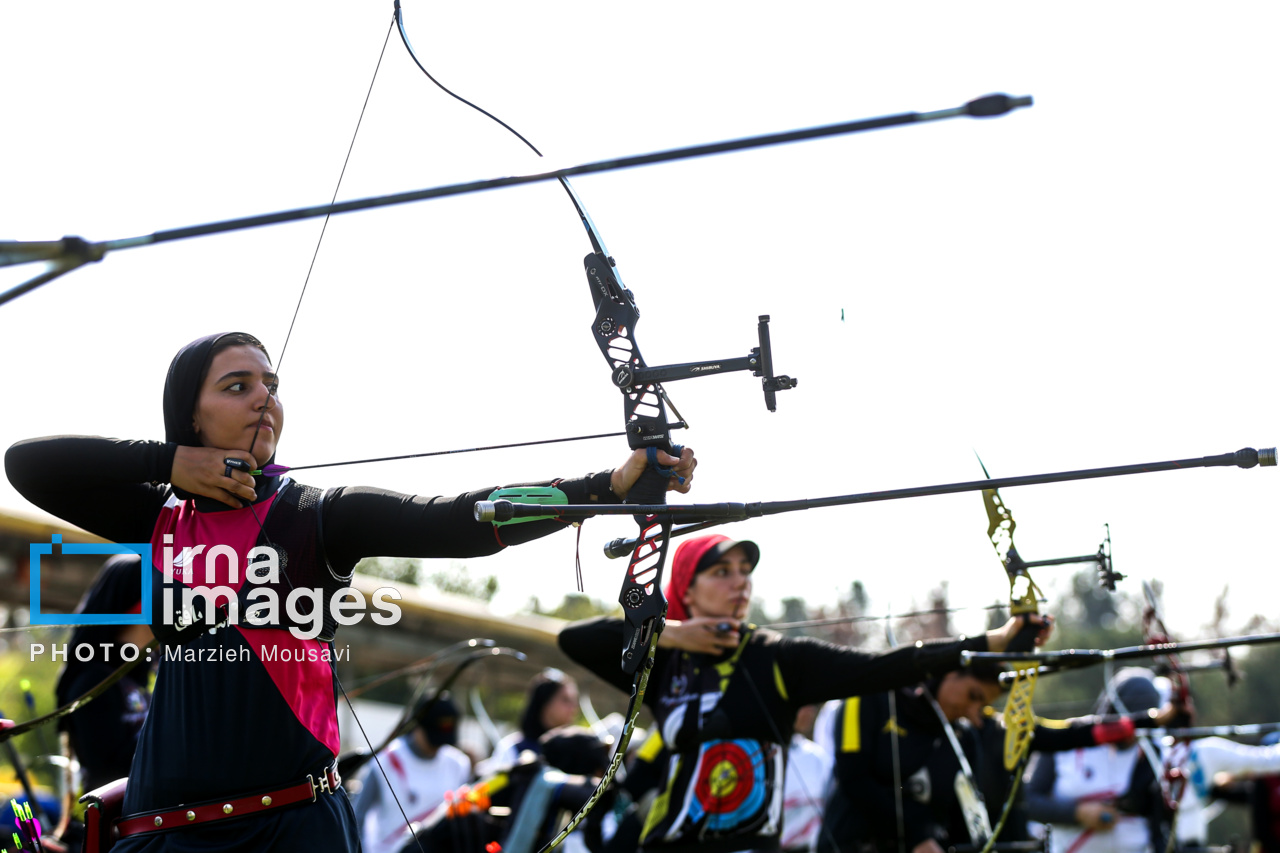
column 107, row 486
column 116, row 489
column 863, row 806
column 811, row 670
column 361, row 521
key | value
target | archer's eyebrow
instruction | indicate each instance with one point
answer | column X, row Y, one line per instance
column 271, row 378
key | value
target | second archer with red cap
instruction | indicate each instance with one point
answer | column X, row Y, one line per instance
column 725, row 694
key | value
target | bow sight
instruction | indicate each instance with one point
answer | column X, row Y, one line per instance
column 616, row 317
column 1107, row 575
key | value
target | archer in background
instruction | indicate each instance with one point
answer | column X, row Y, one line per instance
column 896, row 773
column 1052, row 736
column 552, row 702
column 863, row 808
column 1099, row 799
column 103, row 734
column 422, row 767
column 238, row 751
column 1213, row 763
column 725, row 696
column 809, row 768
column 521, row 806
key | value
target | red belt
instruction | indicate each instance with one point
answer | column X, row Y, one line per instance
column 215, row 810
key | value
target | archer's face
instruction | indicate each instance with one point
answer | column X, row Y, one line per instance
column 963, row 696
column 238, row 388
column 724, row 590
column 562, row 708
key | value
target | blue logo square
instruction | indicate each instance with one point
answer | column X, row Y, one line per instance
column 142, row 549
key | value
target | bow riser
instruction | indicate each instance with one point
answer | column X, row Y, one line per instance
column 644, row 406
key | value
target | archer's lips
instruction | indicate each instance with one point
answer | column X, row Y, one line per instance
column 265, row 426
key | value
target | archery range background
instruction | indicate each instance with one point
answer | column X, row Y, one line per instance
column 1088, row 282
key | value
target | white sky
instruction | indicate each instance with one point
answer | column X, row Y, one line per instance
column 1088, row 282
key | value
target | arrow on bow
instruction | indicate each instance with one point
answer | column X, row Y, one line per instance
column 1243, row 730
column 1076, row 658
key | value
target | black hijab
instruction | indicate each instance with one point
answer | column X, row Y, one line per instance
column 187, row 373
column 116, row 589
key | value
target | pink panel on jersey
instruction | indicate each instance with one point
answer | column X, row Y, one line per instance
column 307, row 685
column 299, row 672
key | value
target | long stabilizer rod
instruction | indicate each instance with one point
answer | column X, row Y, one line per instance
column 706, row 515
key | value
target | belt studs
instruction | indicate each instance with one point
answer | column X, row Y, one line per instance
column 191, row 815
column 227, row 809
column 266, row 801
column 159, row 821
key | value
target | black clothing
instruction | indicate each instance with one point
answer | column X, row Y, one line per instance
column 862, row 810
column 725, row 777
column 104, row 733
column 1265, row 811
column 115, row 488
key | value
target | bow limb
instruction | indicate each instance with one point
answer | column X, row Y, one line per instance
column 481, row 714
column 424, row 665
column 1024, row 600
column 83, row 699
column 1173, row 780
column 638, row 688
column 647, row 426
column 597, row 242
column 351, row 763
column 1076, row 658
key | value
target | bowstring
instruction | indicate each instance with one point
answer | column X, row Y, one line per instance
column 333, row 667
column 641, row 681
column 785, row 746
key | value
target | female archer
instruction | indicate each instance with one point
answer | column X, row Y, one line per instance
column 238, row 749
column 725, row 695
